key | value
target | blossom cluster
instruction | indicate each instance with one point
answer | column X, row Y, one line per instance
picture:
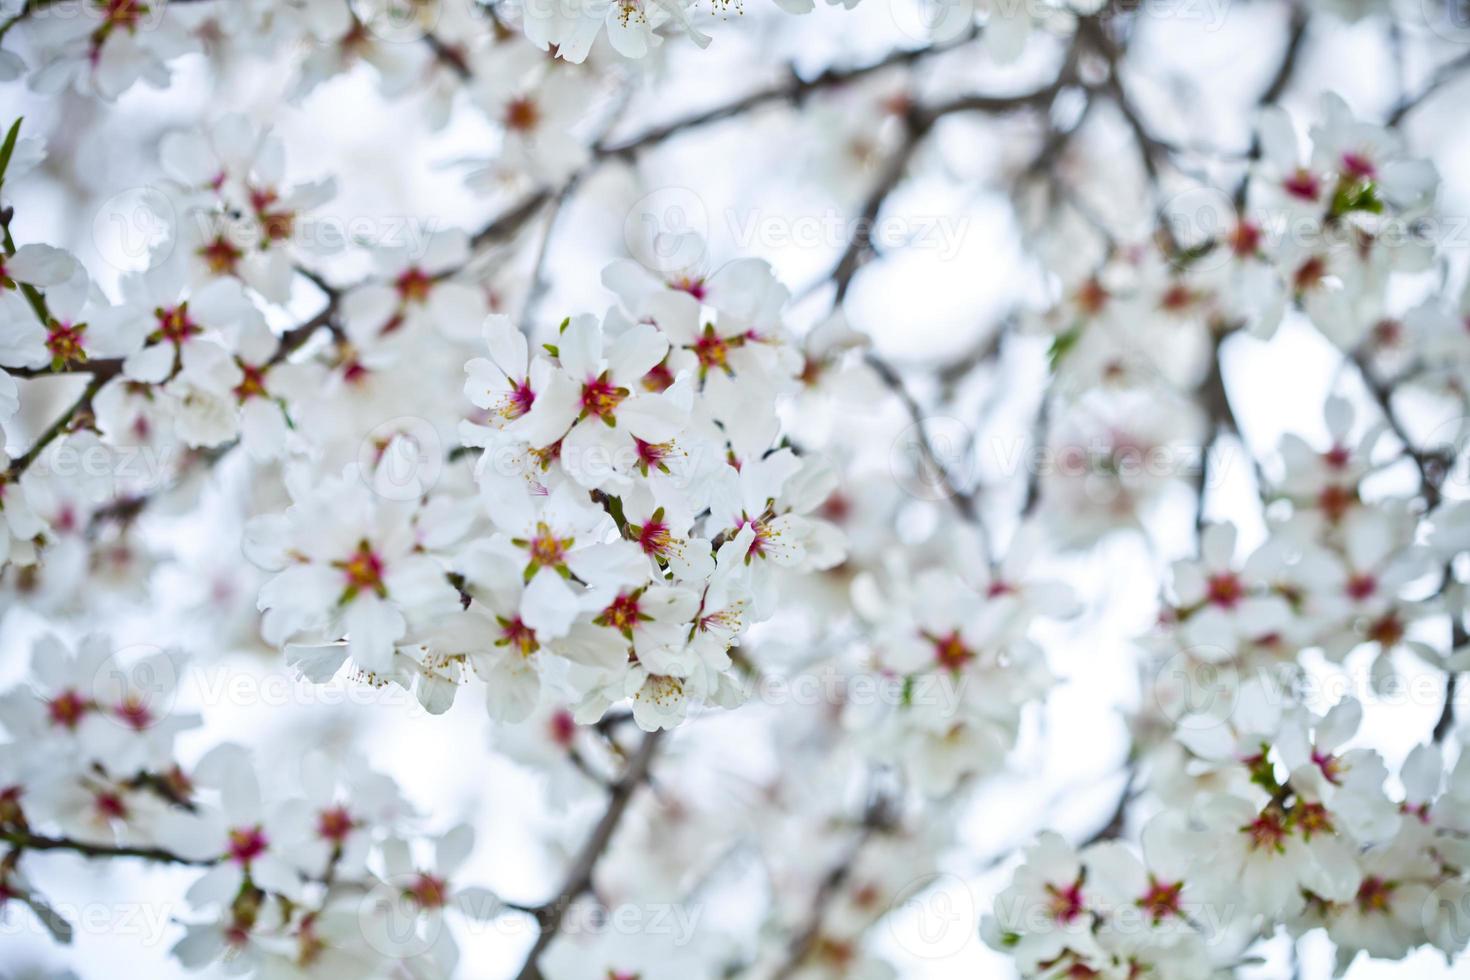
column 632, row 503
column 1268, row 816
column 334, row 877
column 752, row 589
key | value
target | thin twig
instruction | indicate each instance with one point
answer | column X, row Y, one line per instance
column 38, row 842
column 579, row 877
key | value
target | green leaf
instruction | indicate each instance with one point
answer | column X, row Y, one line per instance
column 1060, row 345
column 8, row 148
column 1356, row 196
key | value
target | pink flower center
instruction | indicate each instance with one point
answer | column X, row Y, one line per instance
column 1358, row 165
column 654, row 538
column 413, row 285
column 712, row 350
column 1387, row 630
column 67, row 708
column 1092, row 297
column 1313, row 818
column 763, row 536
column 1066, row 901
column 622, row 614
column 134, row 713
column 1329, row 764
column 1309, row 274
column 1266, row 832
column 600, row 397
column 653, row 454
column 174, row 324
column 517, row 634
column 1373, row 894
column 950, row 651
column 1388, row 333
column 123, row 13
column 837, row 508
column 221, row 256
column 563, row 728
column 521, row 399
column 659, row 377
column 246, row 844
column 110, row 806
column 546, row 549
column 364, row 571
column 1162, row 899
column 334, row 824
column 252, row 382
column 1177, row 298
column 1334, row 501
column 1361, row 586
column 10, row 811
column 1225, row 590
column 694, row 287
column 1420, row 811
column 428, row 891
column 64, row 342
column 1245, row 239
column 1303, row 185
column 522, row 115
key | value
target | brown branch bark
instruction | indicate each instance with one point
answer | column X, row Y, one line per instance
column 37, row 842
column 579, row 878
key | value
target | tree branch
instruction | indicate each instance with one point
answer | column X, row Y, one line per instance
column 579, row 877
